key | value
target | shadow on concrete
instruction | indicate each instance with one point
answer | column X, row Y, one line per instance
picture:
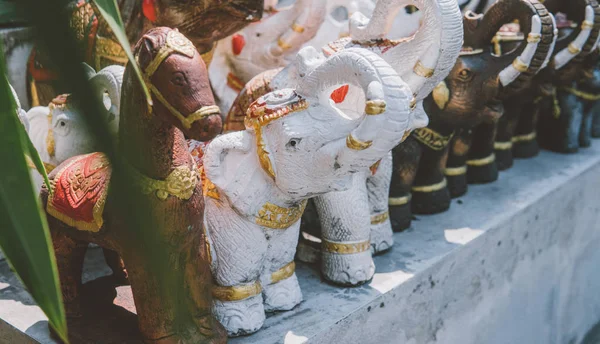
column 593, row 335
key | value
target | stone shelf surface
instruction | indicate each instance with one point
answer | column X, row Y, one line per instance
column 515, row 261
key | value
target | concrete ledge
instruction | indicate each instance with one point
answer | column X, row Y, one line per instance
column 511, row 262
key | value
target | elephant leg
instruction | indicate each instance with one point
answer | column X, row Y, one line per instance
column 378, row 190
column 524, row 140
column 405, row 164
column 559, row 130
column 429, row 191
column 281, row 290
column 309, row 241
column 481, row 164
column 595, row 114
column 116, row 264
column 585, row 133
column 346, row 248
column 70, row 254
column 238, row 248
column 505, row 130
column 456, row 163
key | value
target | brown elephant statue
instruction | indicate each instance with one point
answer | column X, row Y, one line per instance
column 173, row 302
column 203, row 21
column 467, row 97
column 562, row 124
column 516, row 130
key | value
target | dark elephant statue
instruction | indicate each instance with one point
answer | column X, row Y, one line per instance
column 203, row 21
column 466, row 98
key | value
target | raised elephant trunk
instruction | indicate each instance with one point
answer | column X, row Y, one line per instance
column 387, row 115
column 516, row 68
column 425, row 59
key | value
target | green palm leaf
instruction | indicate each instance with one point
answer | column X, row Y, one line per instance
column 24, row 235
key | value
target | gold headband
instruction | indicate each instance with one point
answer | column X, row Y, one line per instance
column 176, row 43
column 260, row 114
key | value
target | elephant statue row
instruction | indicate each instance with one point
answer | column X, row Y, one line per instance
column 470, row 95
column 203, row 21
column 297, row 144
column 58, row 131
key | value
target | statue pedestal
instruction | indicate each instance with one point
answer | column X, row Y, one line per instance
column 515, row 261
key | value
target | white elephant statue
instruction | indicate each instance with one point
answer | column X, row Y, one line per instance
column 424, row 59
column 58, row 131
column 20, row 112
column 270, row 43
column 297, row 144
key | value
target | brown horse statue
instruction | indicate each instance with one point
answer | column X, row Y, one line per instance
column 173, row 303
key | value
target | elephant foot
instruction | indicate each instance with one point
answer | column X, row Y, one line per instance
column 400, row 215
column 457, row 180
column 504, row 159
column 283, row 295
column 309, row 249
column 526, row 149
column 348, row 269
column 382, row 236
column 240, row 317
column 482, row 171
column 430, row 201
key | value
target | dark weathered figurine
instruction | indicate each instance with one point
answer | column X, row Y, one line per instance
column 564, row 124
column 465, row 99
column 176, row 307
column 203, row 21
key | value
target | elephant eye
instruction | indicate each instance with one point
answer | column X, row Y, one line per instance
column 62, row 123
column 465, row 74
column 293, row 143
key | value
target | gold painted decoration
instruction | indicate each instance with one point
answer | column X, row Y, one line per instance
column 422, row 71
column 236, row 293
column 432, row 138
column 379, row 218
column 586, row 24
column 455, row 171
column 345, row 248
column 297, row 28
column 441, row 95
column 283, row 45
column 284, row 273
column 234, row 82
column 180, row 183
column 581, row 94
column 276, row 217
column 573, row 49
column 260, row 113
column 503, row 145
column 356, row 144
column 398, row 201
column 109, row 50
column 468, row 51
column 176, row 43
column 430, row 188
column 524, row 138
column 375, row 107
column 519, row 65
column 483, row 161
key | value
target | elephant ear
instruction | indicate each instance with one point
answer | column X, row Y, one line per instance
column 107, row 84
column 516, row 68
column 424, row 59
column 224, row 156
column 583, row 40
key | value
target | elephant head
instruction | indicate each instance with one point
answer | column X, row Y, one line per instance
column 268, row 44
column 423, row 59
column 302, row 143
column 574, row 43
column 479, row 75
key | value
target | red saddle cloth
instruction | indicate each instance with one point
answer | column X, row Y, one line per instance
column 79, row 192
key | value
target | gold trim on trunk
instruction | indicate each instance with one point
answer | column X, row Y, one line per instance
column 503, row 145
column 430, row 188
column 284, row 273
column 455, row 171
column 398, row 201
column 483, row 161
column 379, row 218
column 524, row 138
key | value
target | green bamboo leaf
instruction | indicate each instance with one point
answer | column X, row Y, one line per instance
column 24, row 235
column 110, row 12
